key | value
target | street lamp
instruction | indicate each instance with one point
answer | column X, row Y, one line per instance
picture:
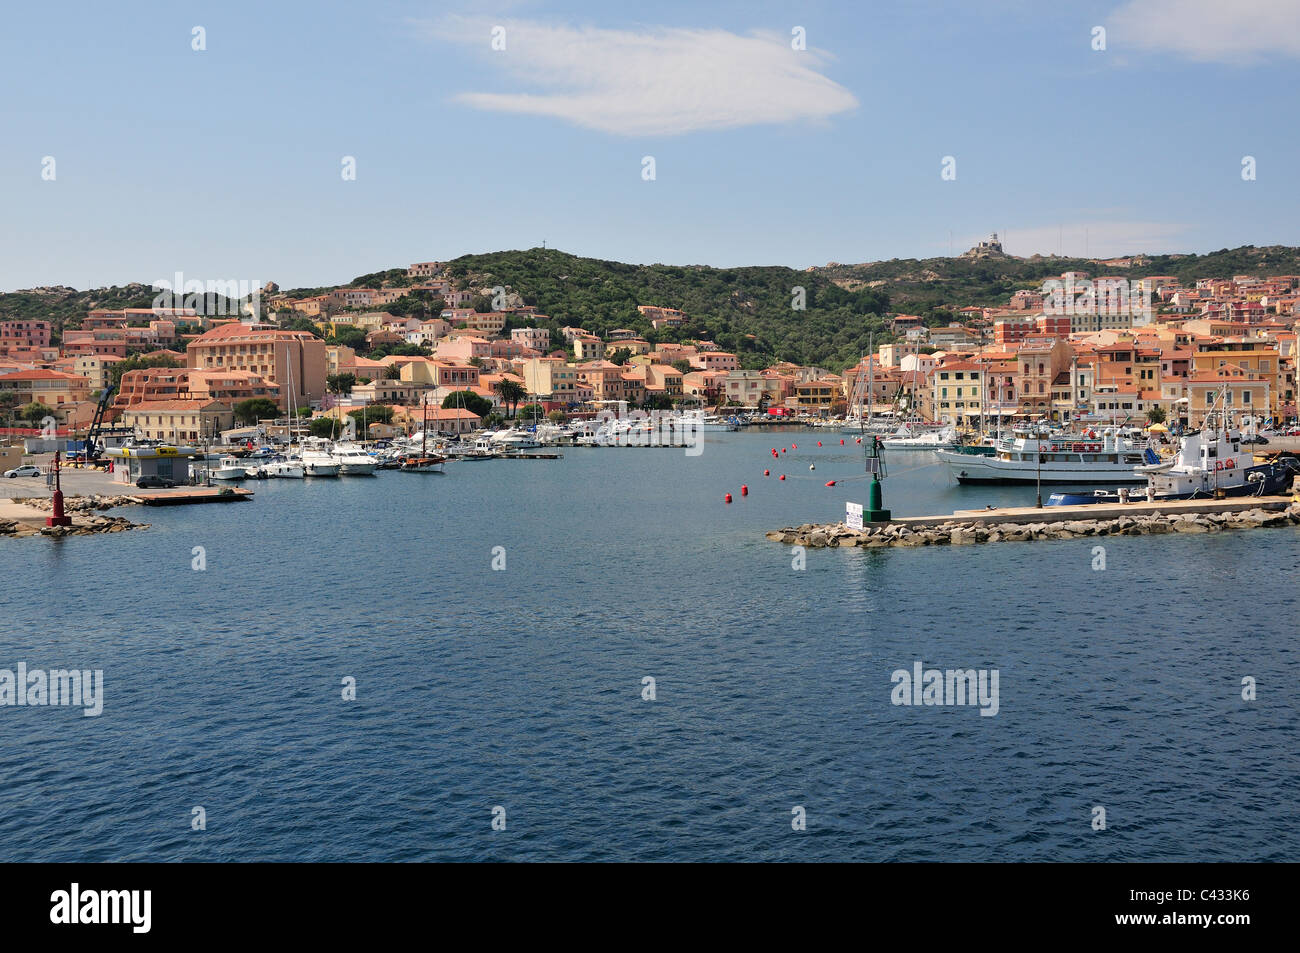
column 1038, row 463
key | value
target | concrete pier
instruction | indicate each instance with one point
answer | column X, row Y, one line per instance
column 1095, row 511
column 1026, row 523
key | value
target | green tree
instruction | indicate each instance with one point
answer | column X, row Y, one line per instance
column 349, row 336
column 250, row 411
column 327, row 427
column 473, row 402
column 8, row 403
column 531, row 411
column 303, row 324
column 1156, row 415
column 393, row 372
column 481, row 303
column 373, row 414
column 340, row 383
column 682, row 366
column 35, row 412
column 511, row 393
column 621, row 356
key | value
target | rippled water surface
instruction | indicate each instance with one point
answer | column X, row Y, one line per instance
column 522, row 688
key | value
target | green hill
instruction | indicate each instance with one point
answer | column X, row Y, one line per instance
column 918, row 286
column 746, row 310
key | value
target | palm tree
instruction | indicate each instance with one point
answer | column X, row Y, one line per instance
column 510, row 392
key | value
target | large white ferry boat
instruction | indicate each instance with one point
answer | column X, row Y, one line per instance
column 1029, row 455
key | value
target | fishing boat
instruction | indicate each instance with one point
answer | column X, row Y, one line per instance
column 229, row 468
column 1206, row 466
column 482, row 449
column 1031, row 455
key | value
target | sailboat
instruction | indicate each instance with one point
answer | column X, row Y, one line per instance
column 287, row 467
column 424, row 462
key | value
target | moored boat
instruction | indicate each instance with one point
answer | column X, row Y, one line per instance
column 353, row 460
column 1206, row 466
column 1029, row 456
column 229, row 468
column 905, row 438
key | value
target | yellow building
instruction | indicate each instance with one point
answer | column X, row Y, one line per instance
column 179, row 420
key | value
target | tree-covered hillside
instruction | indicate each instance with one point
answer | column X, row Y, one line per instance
column 747, row 310
column 918, row 286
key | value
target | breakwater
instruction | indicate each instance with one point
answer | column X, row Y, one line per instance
column 993, row 527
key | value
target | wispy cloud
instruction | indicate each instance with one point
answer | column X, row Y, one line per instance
column 1226, row 31
column 1089, row 239
column 652, row 81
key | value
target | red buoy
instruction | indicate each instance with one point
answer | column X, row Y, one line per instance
column 794, row 446
column 819, row 443
column 859, row 440
column 841, row 441
column 727, row 498
column 783, row 449
column 830, row 482
column 782, row 476
column 767, row 473
column 744, row 489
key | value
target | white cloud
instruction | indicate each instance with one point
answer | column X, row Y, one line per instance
column 1227, row 31
column 655, row 81
column 1089, row 239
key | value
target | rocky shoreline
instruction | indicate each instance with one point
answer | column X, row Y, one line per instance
column 958, row 532
column 84, row 510
column 80, row 504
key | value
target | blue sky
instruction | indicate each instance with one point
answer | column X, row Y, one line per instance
column 226, row 163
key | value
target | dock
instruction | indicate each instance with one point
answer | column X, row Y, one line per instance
column 1095, row 511
column 193, row 494
column 514, row 455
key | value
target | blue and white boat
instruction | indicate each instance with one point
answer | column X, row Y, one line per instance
column 1207, row 465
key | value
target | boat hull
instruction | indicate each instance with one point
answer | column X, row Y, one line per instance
column 974, row 468
column 1270, row 481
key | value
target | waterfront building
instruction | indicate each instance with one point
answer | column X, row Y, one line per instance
column 52, row 388
column 179, row 420
column 273, row 354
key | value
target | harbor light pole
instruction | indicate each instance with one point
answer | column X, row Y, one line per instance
column 59, row 518
column 876, row 513
column 1038, row 463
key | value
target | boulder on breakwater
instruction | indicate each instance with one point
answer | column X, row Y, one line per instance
column 958, row 532
column 86, row 521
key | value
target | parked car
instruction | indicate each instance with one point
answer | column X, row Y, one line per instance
column 25, row 470
column 1254, row 440
column 155, row 483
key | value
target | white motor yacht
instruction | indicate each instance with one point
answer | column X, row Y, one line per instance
column 353, row 460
